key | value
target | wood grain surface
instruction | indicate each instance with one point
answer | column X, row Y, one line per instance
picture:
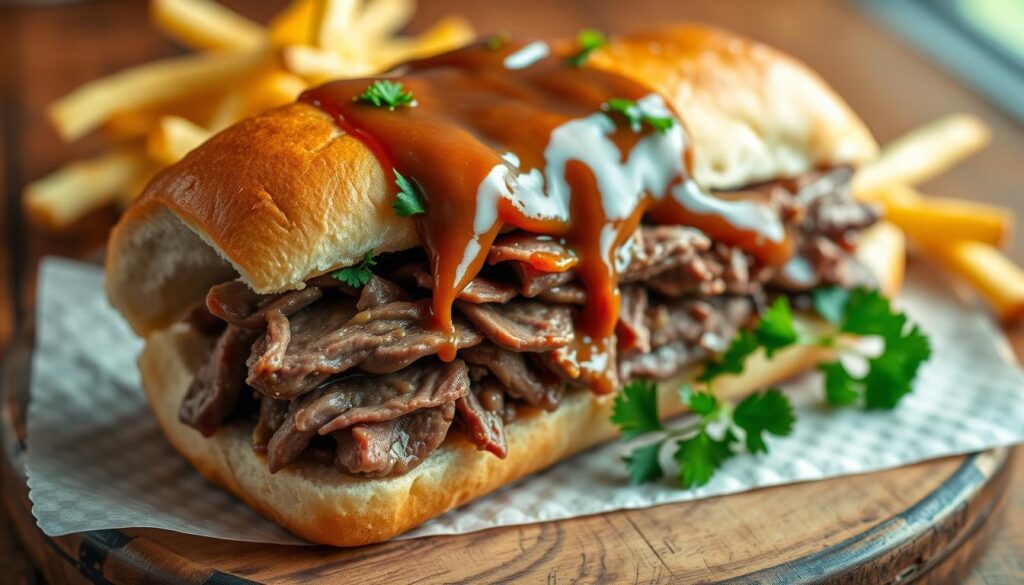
column 49, row 50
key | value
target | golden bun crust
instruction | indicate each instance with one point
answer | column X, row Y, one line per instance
column 753, row 113
column 319, row 504
column 286, row 195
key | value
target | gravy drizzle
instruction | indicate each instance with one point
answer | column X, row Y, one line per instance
column 515, row 137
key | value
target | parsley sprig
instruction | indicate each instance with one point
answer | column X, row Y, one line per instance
column 636, row 116
column 384, row 93
column 409, row 201
column 699, row 450
column 889, row 374
column 705, row 443
column 588, row 40
column 357, row 275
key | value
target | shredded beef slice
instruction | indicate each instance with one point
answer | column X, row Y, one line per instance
column 218, row 383
column 271, row 417
column 522, row 325
column 544, row 253
column 479, row 290
column 237, row 304
column 361, row 399
column 516, row 374
column 683, row 332
column 364, row 399
column 379, row 292
column 480, row 417
column 395, row 446
column 330, row 337
column 632, row 332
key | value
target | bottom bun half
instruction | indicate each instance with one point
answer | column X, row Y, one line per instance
column 316, row 502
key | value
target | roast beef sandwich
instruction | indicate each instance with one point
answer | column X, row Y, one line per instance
column 396, row 295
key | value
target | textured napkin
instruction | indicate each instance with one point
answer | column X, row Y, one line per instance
column 96, row 458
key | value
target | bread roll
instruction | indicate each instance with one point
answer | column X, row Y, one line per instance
column 286, row 195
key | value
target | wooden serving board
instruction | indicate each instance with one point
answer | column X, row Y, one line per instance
column 924, row 523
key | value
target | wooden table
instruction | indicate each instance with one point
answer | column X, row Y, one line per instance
column 49, row 50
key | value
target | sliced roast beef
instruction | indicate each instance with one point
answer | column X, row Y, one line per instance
column 237, row 304
column 271, row 417
column 363, row 398
column 218, row 382
column 544, row 253
column 566, row 294
column 631, row 330
column 684, row 332
column 479, row 290
column 522, row 325
column 380, row 291
column 533, row 282
column 480, row 416
column 516, row 374
column 392, row 447
column 330, row 337
column 661, row 248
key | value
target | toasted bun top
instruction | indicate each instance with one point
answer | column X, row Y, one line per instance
column 285, row 196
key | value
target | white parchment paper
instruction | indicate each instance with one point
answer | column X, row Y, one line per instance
column 97, row 460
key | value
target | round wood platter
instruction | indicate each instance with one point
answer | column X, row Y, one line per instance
column 924, row 523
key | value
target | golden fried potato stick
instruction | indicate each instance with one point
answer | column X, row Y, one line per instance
column 82, row 110
column 206, row 25
column 996, row 278
column 936, row 220
column 922, row 154
column 295, row 25
column 173, row 138
column 63, row 196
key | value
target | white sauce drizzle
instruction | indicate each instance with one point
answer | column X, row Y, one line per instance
column 527, row 56
column 649, row 168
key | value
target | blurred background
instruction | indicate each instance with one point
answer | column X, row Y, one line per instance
column 900, row 64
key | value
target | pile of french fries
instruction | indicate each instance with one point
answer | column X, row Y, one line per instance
column 965, row 237
column 155, row 113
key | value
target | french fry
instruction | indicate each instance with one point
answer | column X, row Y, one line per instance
column 173, row 138
column 272, row 89
column 383, row 18
column 334, row 19
column 202, row 24
column 83, row 109
column 935, row 220
column 316, row 65
column 63, row 196
column 996, row 278
column 295, row 25
column 449, row 33
column 922, row 154
column 228, row 111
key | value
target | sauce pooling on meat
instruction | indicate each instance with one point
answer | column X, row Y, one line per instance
column 516, row 137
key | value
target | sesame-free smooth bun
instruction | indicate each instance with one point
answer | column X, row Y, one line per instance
column 316, row 502
column 284, row 196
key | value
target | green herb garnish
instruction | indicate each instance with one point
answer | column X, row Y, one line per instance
column 702, row 447
column 589, row 40
column 387, row 94
column 636, row 117
column 357, row 275
column 408, row 201
column 889, row 375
